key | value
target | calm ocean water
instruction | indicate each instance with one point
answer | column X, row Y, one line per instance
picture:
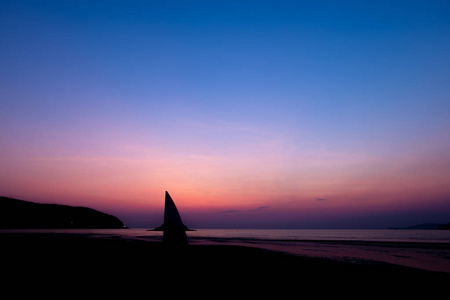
column 425, row 236
column 424, row 249
column 382, row 235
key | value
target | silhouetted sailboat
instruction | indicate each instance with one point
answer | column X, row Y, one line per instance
column 173, row 227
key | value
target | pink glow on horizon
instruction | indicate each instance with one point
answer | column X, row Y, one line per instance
column 286, row 186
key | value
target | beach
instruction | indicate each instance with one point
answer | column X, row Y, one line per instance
column 113, row 264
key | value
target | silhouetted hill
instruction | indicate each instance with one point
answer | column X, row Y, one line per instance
column 425, row 226
column 24, row 214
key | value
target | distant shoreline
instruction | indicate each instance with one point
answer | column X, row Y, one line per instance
column 425, row 226
column 15, row 213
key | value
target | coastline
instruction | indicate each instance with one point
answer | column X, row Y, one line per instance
column 132, row 261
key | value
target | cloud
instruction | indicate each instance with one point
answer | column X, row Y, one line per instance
column 232, row 211
column 321, row 199
column 259, row 208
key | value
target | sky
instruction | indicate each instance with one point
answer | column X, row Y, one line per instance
column 251, row 114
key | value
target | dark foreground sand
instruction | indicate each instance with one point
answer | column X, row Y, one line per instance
column 63, row 265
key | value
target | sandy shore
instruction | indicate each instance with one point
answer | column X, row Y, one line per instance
column 427, row 256
column 114, row 265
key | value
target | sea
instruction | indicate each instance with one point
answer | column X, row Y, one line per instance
column 423, row 249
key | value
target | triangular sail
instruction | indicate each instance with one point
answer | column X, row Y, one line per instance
column 174, row 229
column 171, row 215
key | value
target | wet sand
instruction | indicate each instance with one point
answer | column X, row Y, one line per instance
column 43, row 263
column 427, row 256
